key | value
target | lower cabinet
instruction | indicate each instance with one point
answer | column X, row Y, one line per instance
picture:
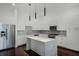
column 44, row 48
column 61, row 41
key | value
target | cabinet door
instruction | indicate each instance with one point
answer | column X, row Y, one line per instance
column 61, row 41
column 38, row 47
column 1, row 43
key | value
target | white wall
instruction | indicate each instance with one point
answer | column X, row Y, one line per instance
column 68, row 20
column 7, row 15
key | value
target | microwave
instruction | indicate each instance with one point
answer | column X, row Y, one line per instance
column 53, row 28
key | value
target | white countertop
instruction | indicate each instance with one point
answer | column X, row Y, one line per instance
column 42, row 39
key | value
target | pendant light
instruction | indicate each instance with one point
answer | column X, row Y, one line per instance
column 35, row 13
column 44, row 9
column 29, row 12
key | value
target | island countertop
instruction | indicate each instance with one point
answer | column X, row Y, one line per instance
column 44, row 46
column 42, row 39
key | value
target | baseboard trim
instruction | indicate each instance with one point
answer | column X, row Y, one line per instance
column 7, row 49
column 22, row 45
column 68, row 49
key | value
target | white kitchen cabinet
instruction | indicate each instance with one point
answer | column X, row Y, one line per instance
column 61, row 41
column 21, row 37
column 44, row 49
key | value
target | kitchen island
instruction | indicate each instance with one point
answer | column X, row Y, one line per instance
column 41, row 45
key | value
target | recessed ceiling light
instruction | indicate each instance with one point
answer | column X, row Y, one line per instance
column 13, row 4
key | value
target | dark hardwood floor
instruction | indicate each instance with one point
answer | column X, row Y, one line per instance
column 14, row 52
column 8, row 52
column 21, row 51
column 67, row 52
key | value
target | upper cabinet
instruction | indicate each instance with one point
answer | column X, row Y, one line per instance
column 41, row 16
column 62, row 15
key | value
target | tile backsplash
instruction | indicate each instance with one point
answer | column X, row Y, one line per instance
column 21, row 32
column 60, row 32
column 29, row 31
column 43, row 33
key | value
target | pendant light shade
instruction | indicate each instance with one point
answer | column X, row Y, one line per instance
column 35, row 15
column 35, row 12
column 29, row 18
column 29, row 4
column 44, row 11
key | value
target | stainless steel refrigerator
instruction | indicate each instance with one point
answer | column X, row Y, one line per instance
column 7, row 36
